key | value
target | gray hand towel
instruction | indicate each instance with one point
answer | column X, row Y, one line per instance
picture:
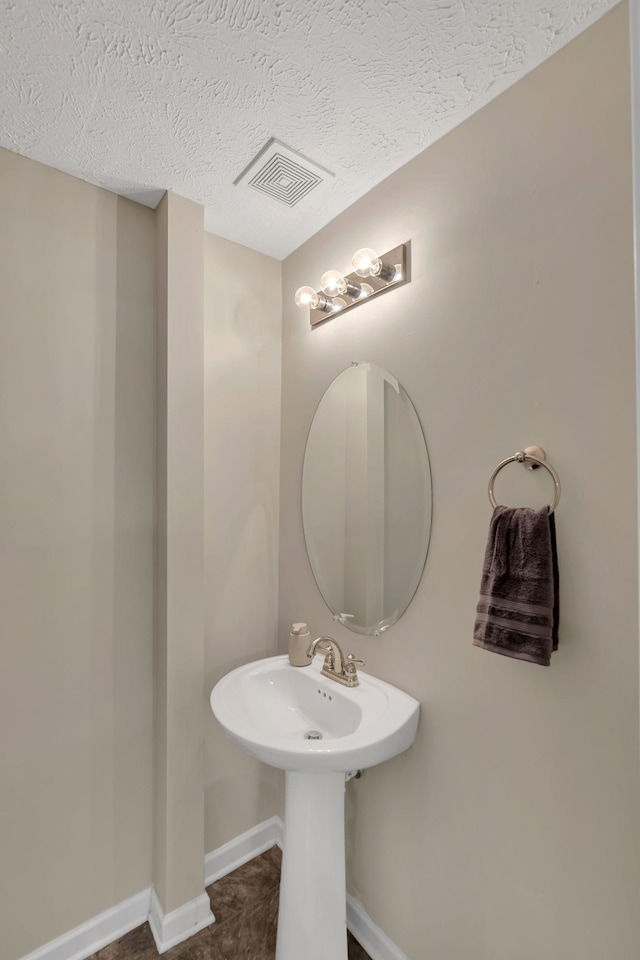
column 518, row 610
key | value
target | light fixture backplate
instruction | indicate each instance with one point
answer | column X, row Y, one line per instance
column 399, row 256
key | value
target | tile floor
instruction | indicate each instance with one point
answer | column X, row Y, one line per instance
column 245, row 904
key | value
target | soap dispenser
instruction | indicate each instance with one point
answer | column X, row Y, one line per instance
column 299, row 640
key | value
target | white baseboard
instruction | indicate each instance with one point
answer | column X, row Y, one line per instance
column 169, row 929
column 83, row 941
column 242, row 849
column 369, row 935
column 172, row 928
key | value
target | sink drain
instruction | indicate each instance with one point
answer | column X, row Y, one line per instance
column 313, row 735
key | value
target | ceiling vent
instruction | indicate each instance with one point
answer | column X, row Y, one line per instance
column 283, row 173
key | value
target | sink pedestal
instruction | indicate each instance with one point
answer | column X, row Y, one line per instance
column 269, row 708
column 312, row 919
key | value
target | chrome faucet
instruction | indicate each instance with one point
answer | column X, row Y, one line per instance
column 334, row 659
column 336, row 666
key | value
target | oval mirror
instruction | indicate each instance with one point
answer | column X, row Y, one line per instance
column 366, row 498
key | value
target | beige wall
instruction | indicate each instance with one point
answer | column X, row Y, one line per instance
column 242, row 443
column 178, row 874
column 76, row 550
column 511, row 827
column 77, row 502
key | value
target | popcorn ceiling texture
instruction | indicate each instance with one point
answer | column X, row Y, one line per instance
column 140, row 96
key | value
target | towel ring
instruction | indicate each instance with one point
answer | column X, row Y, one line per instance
column 536, row 461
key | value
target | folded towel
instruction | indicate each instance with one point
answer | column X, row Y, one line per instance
column 518, row 610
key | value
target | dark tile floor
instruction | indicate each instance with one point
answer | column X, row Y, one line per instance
column 245, row 904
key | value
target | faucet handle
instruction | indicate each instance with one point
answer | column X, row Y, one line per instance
column 350, row 672
column 350, row 664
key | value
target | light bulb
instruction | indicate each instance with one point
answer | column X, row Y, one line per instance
column 332, row 283
column 306, row 298
column 366, row 262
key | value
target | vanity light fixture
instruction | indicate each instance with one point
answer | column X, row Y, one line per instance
column 339, row 293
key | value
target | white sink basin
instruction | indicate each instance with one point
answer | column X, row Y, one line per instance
column 269, row 706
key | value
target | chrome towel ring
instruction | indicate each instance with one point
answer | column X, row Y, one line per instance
column 536, row 457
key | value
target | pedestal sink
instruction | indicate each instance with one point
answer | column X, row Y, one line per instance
column 271, row 709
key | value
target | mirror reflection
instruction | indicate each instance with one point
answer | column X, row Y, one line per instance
column 366, row 498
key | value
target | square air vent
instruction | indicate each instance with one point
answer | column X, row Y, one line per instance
column 283, row 174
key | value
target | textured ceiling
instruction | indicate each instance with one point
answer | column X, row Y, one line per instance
column 144, row 95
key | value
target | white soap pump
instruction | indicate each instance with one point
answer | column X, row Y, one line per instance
column 299, row 640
